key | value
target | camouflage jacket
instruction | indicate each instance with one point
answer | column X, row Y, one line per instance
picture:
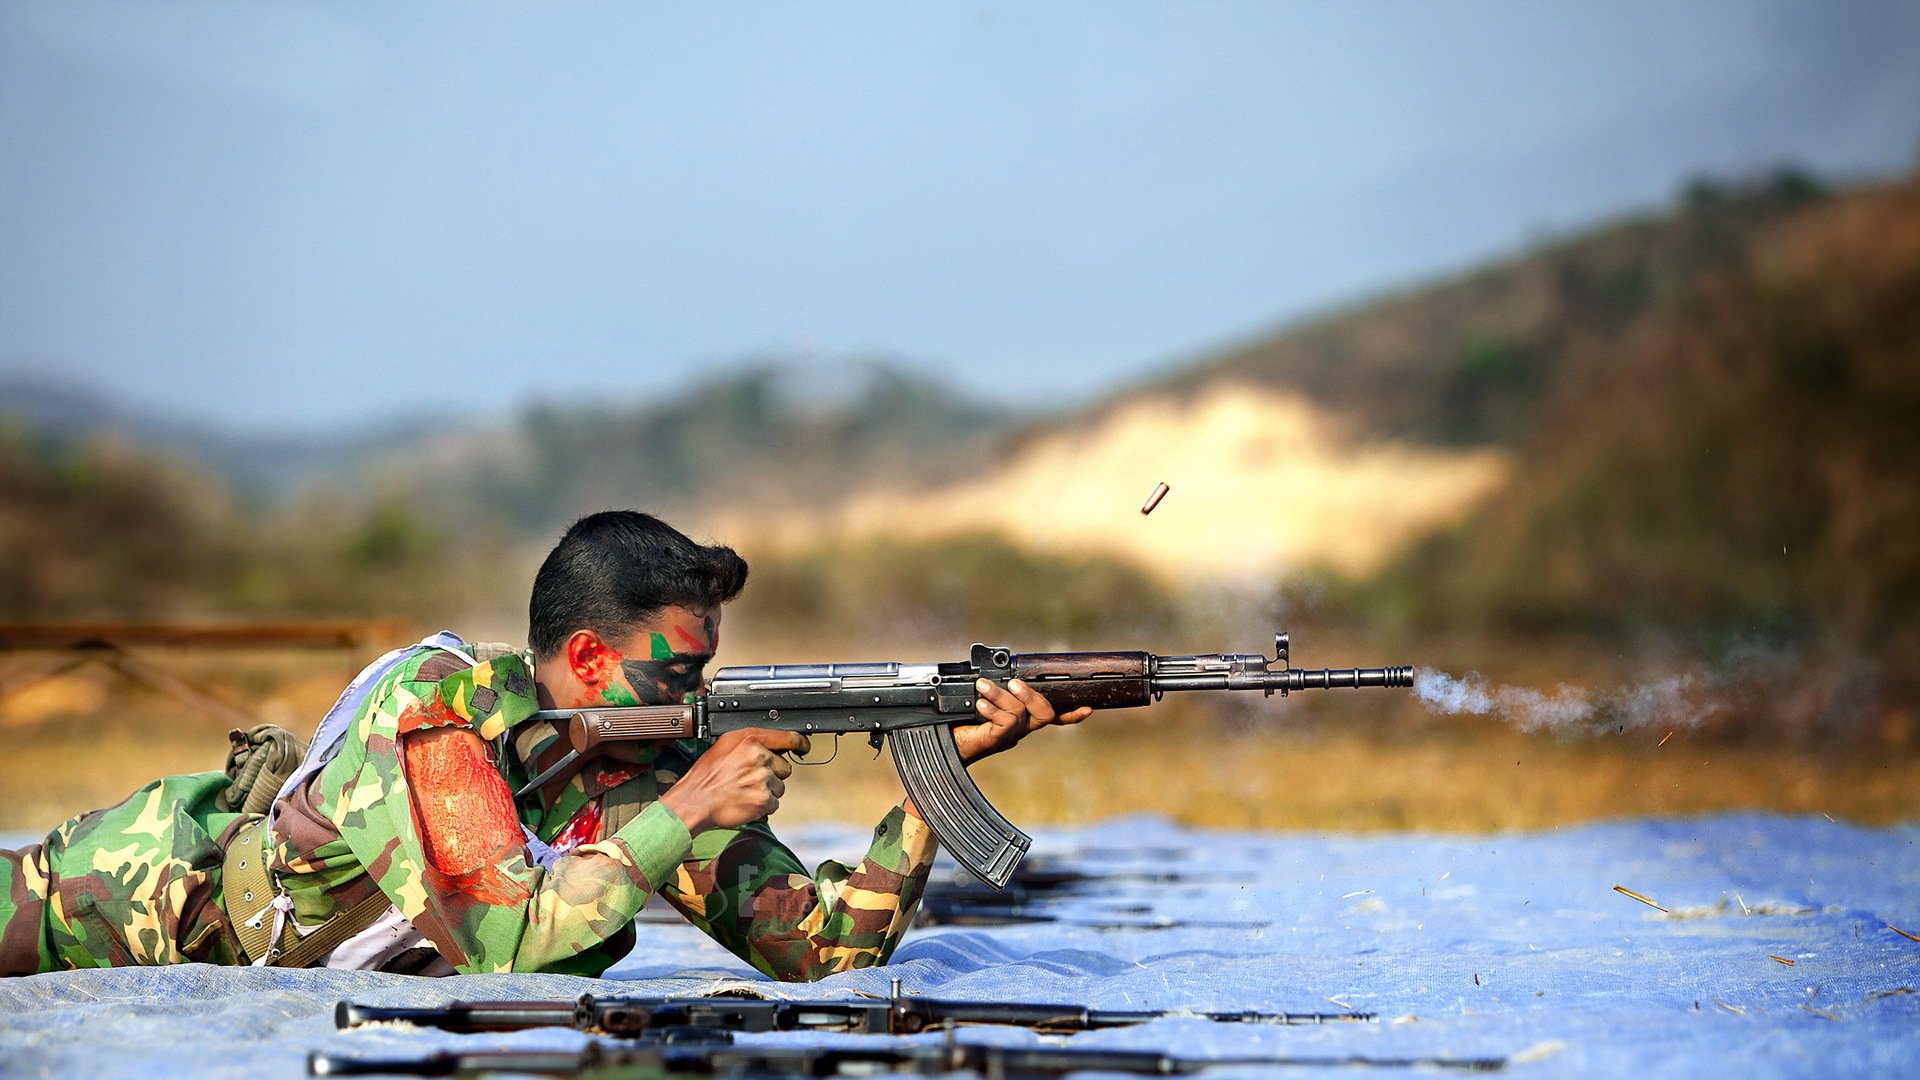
column 354, row 827
column 140, row 883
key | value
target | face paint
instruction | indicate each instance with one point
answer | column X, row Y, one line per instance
column 614, row 693
column 673, row 675
column 666, row 679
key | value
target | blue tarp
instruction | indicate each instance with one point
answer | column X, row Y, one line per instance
column 1511, row 945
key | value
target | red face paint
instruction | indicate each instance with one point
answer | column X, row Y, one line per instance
column 597, row 672
column 663, row 665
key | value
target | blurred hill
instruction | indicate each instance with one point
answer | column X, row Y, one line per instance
column 770, row 431
column 1335, row 445
column 1617, row 429
column 1742, row 468
column 769, row 436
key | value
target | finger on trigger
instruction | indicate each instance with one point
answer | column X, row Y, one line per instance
column 782, row 742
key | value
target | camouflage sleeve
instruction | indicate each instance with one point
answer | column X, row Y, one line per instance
column 485, row 910
column 750, row 893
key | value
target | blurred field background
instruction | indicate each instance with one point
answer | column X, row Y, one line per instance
column 1679, row 445
column 1666, row 458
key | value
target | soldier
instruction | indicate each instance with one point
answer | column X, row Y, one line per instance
column 398, row 844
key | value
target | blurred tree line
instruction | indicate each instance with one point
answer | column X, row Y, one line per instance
column 97, row 528
column 1739, row 478
column 1753, row 460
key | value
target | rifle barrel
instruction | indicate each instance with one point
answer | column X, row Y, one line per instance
column 1285, row 681
column 462, row 1016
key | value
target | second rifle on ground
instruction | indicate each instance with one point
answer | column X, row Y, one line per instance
column 691, row 1057
column 897, row 1014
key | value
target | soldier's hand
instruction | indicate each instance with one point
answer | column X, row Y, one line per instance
column 738, row 780
column 1012, row 712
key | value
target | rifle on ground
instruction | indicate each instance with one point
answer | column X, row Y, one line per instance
column 960, row 900
column 719, row 1058
column 1120, row 920
column 913, row 707
column 1035, row 885
column 897, row 1014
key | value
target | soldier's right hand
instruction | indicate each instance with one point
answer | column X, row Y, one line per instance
column 738, row 780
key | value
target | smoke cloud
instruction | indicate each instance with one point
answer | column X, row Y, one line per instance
column 1680, row 702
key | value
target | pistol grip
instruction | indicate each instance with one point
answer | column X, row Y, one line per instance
column 930, row 768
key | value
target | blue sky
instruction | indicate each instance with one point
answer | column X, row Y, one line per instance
column 299, row 217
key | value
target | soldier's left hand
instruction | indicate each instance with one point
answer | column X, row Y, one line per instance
column 1011, row 713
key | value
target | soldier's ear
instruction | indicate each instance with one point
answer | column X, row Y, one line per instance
column 588, row 656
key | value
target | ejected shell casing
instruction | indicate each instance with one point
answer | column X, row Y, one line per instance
column 1153, row 500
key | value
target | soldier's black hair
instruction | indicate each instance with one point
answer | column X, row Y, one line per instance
column 620, row 567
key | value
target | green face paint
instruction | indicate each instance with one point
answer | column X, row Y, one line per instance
column 615, row 694
column 670, row 677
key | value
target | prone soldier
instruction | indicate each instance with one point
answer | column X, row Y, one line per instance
column 398, row 843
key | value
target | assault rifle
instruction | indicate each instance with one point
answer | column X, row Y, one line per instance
column 897, row 1014
column 718, row 1057
column 913, row 708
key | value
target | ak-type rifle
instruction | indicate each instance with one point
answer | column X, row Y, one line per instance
column 899, row 1015
column 914, row 707
column 896, row 1014
column 715, row 1054
column 702, row 1053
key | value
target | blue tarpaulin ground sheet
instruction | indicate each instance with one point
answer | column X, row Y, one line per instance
column 1776, row 956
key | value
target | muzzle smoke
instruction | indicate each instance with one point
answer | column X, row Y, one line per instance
column 1680, row 702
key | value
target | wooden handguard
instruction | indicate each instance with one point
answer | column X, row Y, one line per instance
column 1103, row 680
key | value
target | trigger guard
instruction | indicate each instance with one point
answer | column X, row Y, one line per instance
column 825, row 760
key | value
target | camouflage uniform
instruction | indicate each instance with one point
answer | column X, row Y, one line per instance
column 140, row 883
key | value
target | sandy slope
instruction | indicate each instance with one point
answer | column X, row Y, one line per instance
column 1262, row 482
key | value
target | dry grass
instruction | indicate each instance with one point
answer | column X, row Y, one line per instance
column 1442, row 781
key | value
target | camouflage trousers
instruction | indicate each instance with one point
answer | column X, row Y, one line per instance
column 138, row 883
